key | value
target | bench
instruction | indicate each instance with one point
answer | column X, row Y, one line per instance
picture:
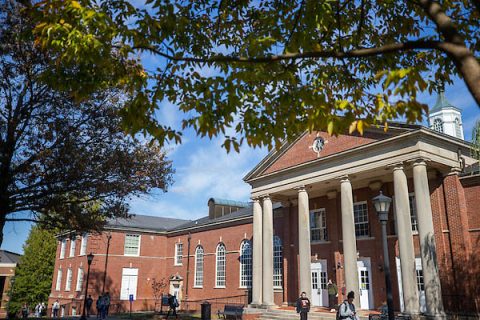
column 231, row 311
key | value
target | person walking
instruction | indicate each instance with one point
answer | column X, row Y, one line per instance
column 25, row 311
column 303, row 306
column 55, row 308
column 332, row 295
column 106, row 297
column 347, row 308
column 37, row 310
column 98, row 304
column 89, row 305
column 173, row 304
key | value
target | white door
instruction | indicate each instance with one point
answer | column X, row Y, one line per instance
column 420, row 284
column 364, row 283
column 319, row 283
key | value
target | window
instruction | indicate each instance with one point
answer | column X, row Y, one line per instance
column 199, row 267
column 63, row 247
column 83, row 245
column 438, row 125
column 73, row 244
column 129, row 283
column 458, row 130
column 132, row 245
column 318, row 225
column 323, row 280
column 420, row 284
column 220, row 268
column 413, row 212
column 178, row 254
column 59, row 280
column 360, row 214
column 246, row 264
column 79, row 280
column 277, row 262
column 68, row 284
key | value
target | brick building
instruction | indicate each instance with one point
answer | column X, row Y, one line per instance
column 8, row 264
column 311, row 219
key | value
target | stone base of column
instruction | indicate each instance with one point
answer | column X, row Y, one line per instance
column 438, row 316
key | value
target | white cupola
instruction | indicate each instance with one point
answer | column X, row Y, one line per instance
column 446, row 118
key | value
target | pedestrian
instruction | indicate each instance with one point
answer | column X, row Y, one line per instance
column 347, row 308
column 89, row 304
column 303, row 306
column 103, row 307
column 99, row 307
column 37, row 310
column 106, row 297
column 25, row 311
column 332, row 295
column 43, row 309
column 55, row 308
column 173, row 304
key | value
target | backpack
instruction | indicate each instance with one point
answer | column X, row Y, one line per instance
column 337, row 316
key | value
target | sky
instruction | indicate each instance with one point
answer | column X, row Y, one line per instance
column 205, row 170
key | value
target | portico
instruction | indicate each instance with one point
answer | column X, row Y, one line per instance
column 338, row 168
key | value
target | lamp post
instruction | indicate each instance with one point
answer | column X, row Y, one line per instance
column 189, row 238
column 382, row 205
column 109, row 237
column 89, row 261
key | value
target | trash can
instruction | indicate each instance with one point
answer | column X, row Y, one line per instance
column 206, row 310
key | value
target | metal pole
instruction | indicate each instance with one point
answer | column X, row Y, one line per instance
column 86, row 291
column 109, row 236
column 388, row 281
column 189, row 238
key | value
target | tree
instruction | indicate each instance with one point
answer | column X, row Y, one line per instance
column 67, row 164
column 475, row 149
column 33, row 276
column 267, row 69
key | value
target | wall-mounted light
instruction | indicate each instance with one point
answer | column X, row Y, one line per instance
column 339, row 265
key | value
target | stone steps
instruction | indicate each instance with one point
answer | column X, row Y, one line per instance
column 292, row 315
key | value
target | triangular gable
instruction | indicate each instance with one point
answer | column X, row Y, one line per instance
column 302, row 151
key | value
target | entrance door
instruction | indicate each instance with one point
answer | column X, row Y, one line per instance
column 319, row 283
column 364, row 283
column 420, row 284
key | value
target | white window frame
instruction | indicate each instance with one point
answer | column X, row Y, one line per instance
column 132, row 274
column 68, row 283
column 438, row 125
column 80, row 276
column 125, row 245
column 321, row 215
column 367, row 222
column 178, row 254
column 458, row 130
column 73, row 246
column 277, row 263
column 220, row 258
column 58, row 285
column 246, row 265
column 63, row 248
column 199, row 267
column 413, row 212
column 83, row 245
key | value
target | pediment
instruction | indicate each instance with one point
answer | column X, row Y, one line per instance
column 303, row 149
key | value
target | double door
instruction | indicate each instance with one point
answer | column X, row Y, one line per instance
column 319, row 283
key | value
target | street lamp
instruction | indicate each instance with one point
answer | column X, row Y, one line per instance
column 89, row 261
column 382, row 205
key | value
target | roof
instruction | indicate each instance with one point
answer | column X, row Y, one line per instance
column 138, row 221
column 205, row 221
column 442, row 103
column 231, row 203
column 9, row 257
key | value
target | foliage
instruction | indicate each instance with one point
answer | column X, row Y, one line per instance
column 475, row 149
column 68, row 164
column 264, row 70
column 33, row 277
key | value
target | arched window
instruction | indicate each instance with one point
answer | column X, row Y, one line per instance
column 438, row 125
column 277, row 262
column 246, row 264
column 220, row 268
column 199, row 267
column 458, row 131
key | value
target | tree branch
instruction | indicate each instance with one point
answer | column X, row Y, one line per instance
column 356, row 53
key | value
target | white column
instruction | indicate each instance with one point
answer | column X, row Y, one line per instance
column 405, row 241
column 433, row 291
column 267, row 264
column 349, row 240
column 257, row 254
column 304, row 249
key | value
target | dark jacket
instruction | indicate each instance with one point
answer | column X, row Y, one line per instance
column 303, row 305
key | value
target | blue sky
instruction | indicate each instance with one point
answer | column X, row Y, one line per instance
column 204, row 170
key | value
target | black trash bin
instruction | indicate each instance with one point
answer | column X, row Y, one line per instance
column 206, row 310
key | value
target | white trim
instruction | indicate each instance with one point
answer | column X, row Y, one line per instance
column 224, row 266
column 364, row 202
column 175, row 257
column 196, row 265
column 139, row 244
